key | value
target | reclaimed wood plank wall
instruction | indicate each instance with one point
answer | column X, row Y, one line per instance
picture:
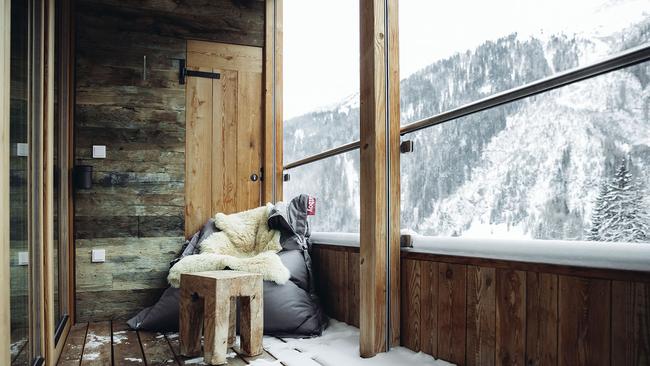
column 135, row 209
column 473, row 313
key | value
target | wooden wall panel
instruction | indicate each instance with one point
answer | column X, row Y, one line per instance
column 337, row 282
column 353, row 288
column 481, row 316
column 137, row 201
column 428, row 308
column 511, row 317
column 584, row 321
column 238, row 22
column 412, row 300
column 630, row 323
column 451, row 312
column 198, row 125
column 541, row 319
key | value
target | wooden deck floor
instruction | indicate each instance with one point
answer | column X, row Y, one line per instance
column 113, row 343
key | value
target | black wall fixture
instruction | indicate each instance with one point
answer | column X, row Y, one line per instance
column 83, row 176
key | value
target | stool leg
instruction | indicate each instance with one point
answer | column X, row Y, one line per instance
column 252, row 323
column 216, row 323
column 232, row 331
column 190, row 323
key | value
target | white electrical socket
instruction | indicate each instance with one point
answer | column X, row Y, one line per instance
column 98, row 256
column 22, row 149
column 99, row 151
column 23, row 258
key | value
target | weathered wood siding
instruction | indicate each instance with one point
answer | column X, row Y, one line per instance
column 482, row 312
column 136, row 206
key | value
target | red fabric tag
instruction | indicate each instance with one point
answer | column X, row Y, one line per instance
column 311, row 206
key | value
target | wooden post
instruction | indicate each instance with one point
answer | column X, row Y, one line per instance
column 379, row 252
column 272, row 183
column 5, row 47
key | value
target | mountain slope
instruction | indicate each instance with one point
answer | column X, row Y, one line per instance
column 527, row 169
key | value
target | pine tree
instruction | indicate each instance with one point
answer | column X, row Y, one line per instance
column 598, row 214
column 620, row 214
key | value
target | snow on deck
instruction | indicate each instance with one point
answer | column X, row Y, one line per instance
column 338, row 346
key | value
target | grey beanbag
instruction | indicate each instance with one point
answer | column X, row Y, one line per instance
column 290, row 310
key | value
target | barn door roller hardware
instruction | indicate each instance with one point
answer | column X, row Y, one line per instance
column 183, row 72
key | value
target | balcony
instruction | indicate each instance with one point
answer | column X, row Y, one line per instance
column 463, row 183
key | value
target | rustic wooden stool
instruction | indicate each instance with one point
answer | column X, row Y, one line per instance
column 208, row 300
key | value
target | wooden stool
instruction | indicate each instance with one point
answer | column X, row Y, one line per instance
column 208, row 299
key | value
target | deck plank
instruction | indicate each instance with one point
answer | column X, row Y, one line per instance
column 174, row 343
column 97, row 347
column 106, row 343
column 74, row 345
column 157, row 350
column 126, row 345
column 248, row 359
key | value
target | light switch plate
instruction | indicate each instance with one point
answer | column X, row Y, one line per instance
column 23, row 258
column 98, row 256
column 99, row 151
column 22, row 149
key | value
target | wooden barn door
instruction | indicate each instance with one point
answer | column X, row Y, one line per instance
column 223, row 160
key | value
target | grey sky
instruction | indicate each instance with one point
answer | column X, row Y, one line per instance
column 321, row 41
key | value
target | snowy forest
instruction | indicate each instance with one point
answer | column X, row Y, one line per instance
column 570, row 164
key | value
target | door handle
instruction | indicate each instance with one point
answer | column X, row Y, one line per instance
column 254, row 177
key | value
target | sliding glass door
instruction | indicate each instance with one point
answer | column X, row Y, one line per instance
column 39, row 148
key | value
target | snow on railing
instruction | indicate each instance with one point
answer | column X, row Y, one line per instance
column 623, row 256
column 334, row 238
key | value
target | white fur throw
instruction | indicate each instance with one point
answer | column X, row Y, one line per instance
column 245, row 243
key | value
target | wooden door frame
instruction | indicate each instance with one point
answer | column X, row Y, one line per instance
column 273, row 131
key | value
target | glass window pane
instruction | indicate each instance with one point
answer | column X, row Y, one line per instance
column 456, row 52
column 570, row 164
column 335, row 184
column 320, row 76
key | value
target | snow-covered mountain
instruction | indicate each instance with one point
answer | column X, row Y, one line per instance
column 530, row 169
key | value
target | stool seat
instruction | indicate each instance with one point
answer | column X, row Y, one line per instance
column 208, row 300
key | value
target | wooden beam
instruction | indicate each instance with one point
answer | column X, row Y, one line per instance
column 379, row 180
column 394, row 171
column 49, row 323
column 5, row 50
column 67, row 114
column 38, row 186
column 272, row 184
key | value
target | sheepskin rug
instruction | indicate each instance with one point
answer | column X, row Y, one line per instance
column 245, row 243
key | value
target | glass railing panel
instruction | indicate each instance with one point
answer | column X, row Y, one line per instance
column 334, row 182
column 457, row 52
column 570, row 164
column 320, row 76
